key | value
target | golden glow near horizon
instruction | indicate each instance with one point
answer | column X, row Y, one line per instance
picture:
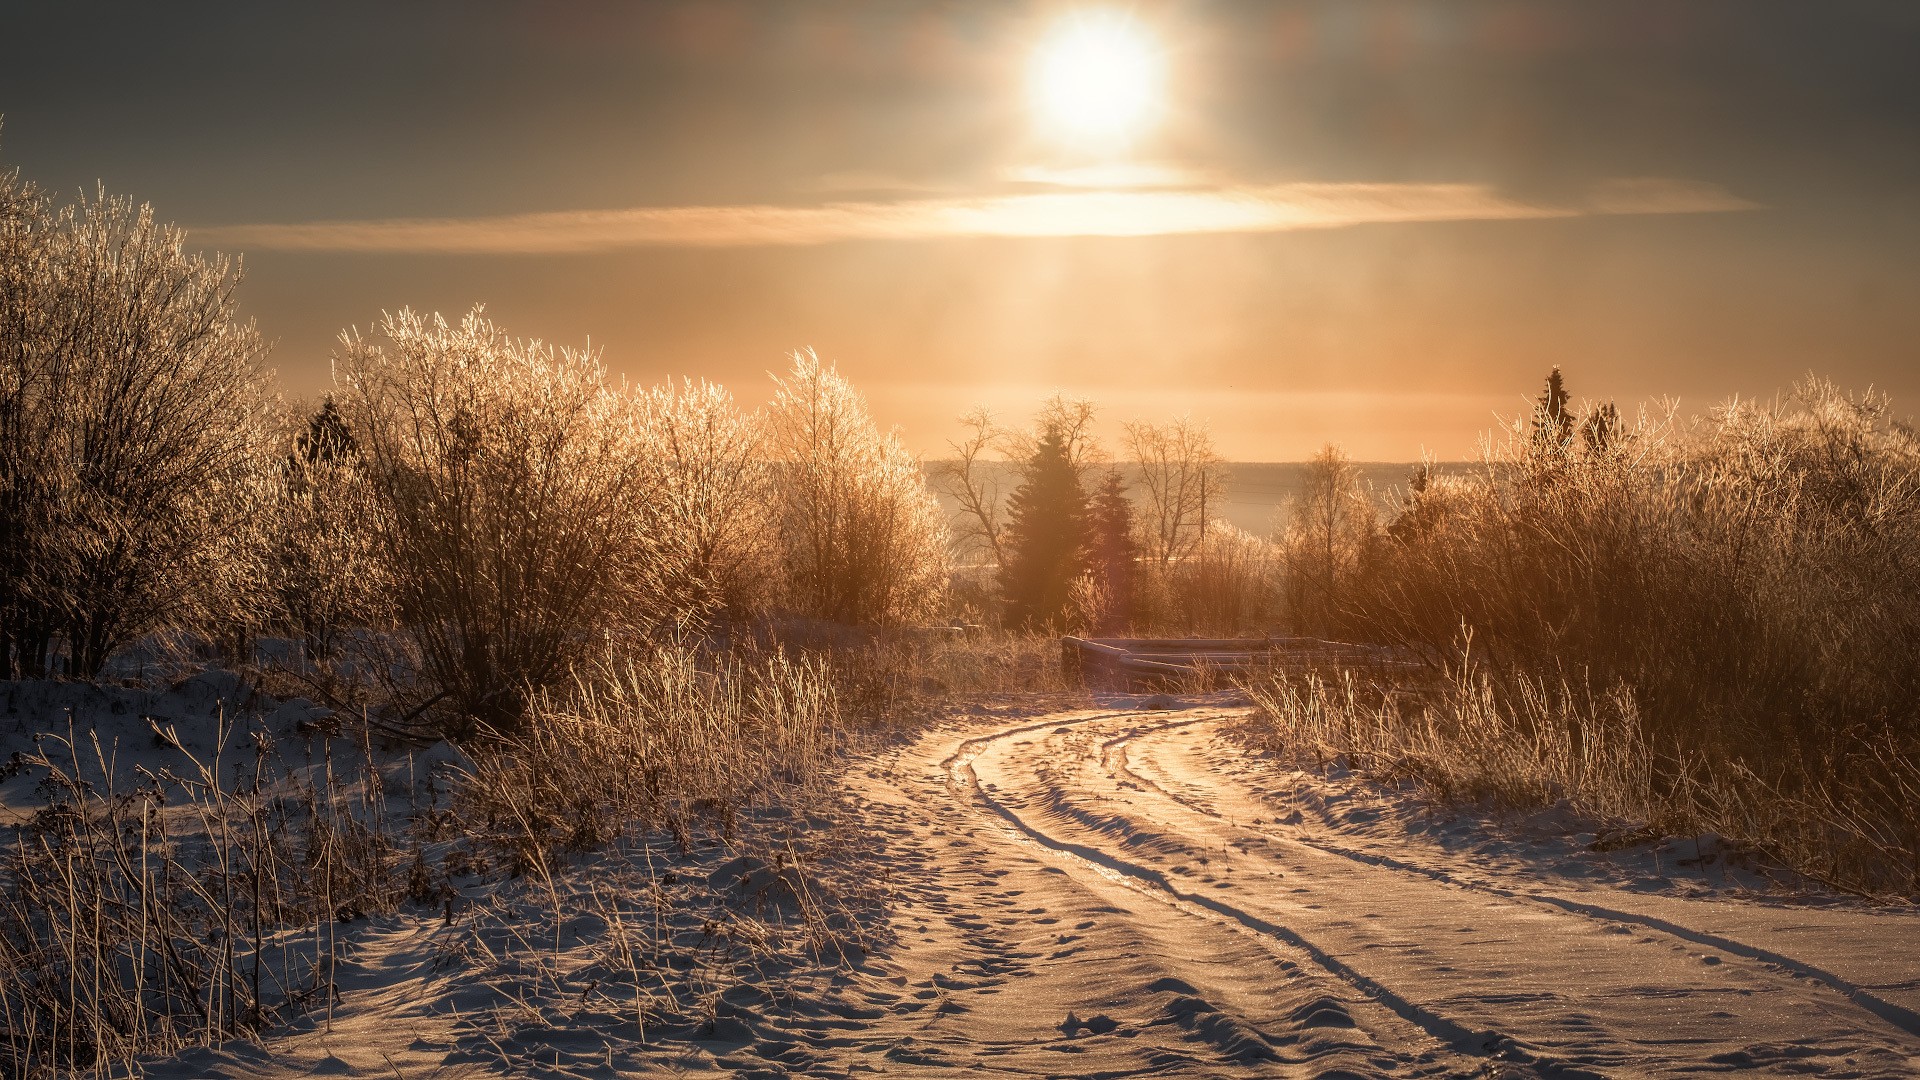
column 1098, row 80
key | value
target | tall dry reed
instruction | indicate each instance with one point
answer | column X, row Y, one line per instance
column 1538, row 745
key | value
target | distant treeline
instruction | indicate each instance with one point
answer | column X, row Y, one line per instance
column 1260, row 495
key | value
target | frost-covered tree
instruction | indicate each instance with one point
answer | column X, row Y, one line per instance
column 1331, row 523
column 1183, row 481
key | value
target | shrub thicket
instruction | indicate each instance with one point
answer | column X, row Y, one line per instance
column 714, row 550
column 1231, row 584
column 1747, row 582
column 1751, row 574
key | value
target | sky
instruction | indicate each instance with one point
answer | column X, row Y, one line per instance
column 1367, row 222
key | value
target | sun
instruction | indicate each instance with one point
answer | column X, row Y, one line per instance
column 1097, row 78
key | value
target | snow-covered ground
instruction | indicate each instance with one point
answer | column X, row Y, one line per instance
column 1122, row 891
column 108, row 734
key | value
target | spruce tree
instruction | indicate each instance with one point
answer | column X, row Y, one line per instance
column 1046, row 536
column 326, row 443
column 1552, row 420
column 327, row 439
column 1600, row 428
column 1112, row 550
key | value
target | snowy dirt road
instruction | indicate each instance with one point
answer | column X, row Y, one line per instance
column 1117, row 892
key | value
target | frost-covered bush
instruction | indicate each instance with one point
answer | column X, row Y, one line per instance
column 508, row 495
column 862, row 539
column 131, row 436
column 709, row 505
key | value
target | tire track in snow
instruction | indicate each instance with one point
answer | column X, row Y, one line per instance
column 1114, row 756
column 1588, row 999
column 1456, row 1036
column 1204, row 997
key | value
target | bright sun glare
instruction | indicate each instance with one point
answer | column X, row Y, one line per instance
column 1097, row 79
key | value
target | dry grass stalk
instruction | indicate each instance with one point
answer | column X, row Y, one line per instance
column 1526, row 747
column 655, row 741
column 1522, row 745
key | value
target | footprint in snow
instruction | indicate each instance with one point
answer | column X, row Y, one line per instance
column 1098, row 1024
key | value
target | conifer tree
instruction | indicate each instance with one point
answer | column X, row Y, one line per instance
column 1552, row 420
column 1600, row 428
column 1112, row 550
column 1045, row 543
column 322, row 569
column 1417, row 511
column 327, row 439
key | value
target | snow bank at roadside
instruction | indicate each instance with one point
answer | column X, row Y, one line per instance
column 1550, row 844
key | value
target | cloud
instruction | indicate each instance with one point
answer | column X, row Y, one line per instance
column 859, row 182
column 1248, row 209
column 1661, row 195
column 1113, row 175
